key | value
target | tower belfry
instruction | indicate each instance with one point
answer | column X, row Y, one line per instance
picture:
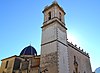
column 54, row 56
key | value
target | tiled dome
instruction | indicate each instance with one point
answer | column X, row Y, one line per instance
column 29, row 50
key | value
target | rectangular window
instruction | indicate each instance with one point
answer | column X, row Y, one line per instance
column 6, row 64
column 60, row 16
column 49, row 15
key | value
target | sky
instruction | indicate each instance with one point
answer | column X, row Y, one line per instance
column 21, row 21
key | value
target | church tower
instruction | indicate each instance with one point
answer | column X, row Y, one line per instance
column 54, row 54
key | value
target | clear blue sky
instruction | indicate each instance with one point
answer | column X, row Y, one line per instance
column 21, row 21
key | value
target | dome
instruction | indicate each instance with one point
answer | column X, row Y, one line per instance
column 97, row 70
column 29, row 50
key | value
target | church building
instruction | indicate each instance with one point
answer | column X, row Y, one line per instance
column 57, row 54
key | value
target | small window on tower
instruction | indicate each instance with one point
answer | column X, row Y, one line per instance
column 60, row 16
column 49, row 15
column 6, row 64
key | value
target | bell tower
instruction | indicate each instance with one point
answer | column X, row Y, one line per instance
column 54, row 54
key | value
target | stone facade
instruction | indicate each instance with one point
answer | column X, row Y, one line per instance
column 18, row 64
column 7, row 65
column 75, row 55
column 57, row 54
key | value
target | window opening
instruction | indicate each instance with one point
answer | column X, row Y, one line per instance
column 6, row 64
column 74, row 58
column 49, row 17
column 60, row 16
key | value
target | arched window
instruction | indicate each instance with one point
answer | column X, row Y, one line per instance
column 6, row 64
column 60, row 16
column 49, row 15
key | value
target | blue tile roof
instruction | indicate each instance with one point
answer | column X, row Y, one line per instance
column 29, row 50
